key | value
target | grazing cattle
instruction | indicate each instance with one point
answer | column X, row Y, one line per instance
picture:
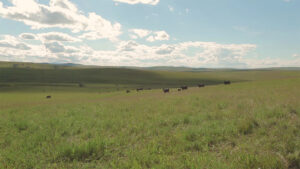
column 201, row 85
column 179, row 90
column 184, row 87
column 139, row 89
column 127, row 91
column 227, row 82
column 48, row 97
column 167, row 90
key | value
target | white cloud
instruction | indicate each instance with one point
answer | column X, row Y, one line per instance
column 99, row 28
column 49, row 37
column 127, row 53
column 150, row 36
column 41, row 16
column 47, row 52
column 60, row 14
column 57, row 36
column 57, row 47
column 159, row 36
column 150, row 39
column 28, row 36
column 141, row 33
column 131, row 53
column 133, row 2
column 128, row 46
column 165, row 49
column 133, row 36
column 10, row 42
column 65, row 4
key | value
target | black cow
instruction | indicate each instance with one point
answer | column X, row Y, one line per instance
column 201, row 85
column 127, row 91
column 139, row 89
column 167, row 90
column 227, row 82
column 179, row 90
column 48, row 97
column 184, row 87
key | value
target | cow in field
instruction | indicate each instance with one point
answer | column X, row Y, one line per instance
column 179, row 90
column 166, row 90
column 48, row 97
column 139, row 89
column 127, row 91
column 184, row 87
column 227, row 82
column 201, row 85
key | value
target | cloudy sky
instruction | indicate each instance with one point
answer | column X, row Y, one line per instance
column 193, row 33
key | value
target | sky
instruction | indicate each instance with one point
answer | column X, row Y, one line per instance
column 189, row 33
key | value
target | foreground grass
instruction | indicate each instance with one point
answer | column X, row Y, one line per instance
column 244, row 125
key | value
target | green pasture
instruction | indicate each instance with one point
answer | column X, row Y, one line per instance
column 253, row 123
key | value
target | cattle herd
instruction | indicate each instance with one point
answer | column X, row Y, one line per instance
column 227, row 82
column 167, row 90
column 182, row 88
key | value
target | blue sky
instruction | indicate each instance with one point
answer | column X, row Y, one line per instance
column 193, row 33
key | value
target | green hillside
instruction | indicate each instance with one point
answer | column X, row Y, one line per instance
column 47, row 77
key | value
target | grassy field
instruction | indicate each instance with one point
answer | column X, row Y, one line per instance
column 253, row 123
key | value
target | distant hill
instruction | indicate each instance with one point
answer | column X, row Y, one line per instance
column 44, row 74
column 154, row 68
column 281, row 68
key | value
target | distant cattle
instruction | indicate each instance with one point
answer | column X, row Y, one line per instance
column 179, row 90
column 127, row 91
column 184, row 87
column 201, row 85
column 48, row 97
column 166, row 90
column 227, row 82
column 80, row 84
column 139, row 89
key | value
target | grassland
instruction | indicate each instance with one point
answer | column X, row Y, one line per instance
column 253, row 123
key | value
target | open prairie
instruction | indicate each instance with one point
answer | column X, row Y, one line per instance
column 149, row 84
column 252, row 123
